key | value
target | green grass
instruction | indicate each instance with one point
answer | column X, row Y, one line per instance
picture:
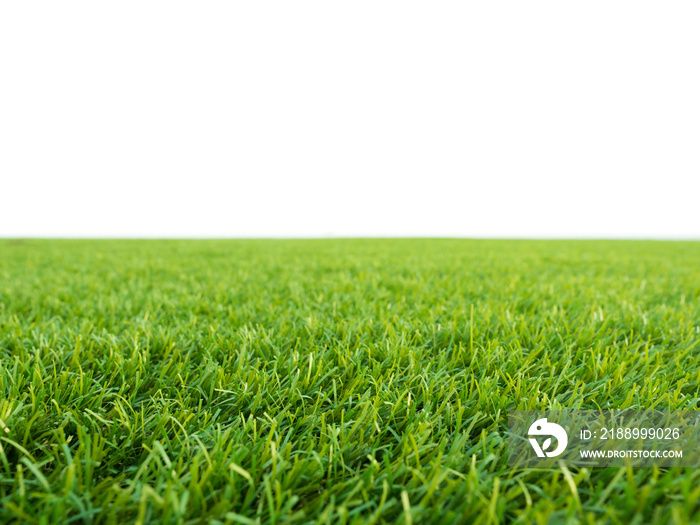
column 333, row 381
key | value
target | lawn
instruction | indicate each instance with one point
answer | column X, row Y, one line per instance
column 333, row 381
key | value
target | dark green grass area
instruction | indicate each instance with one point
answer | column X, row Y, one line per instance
column 333, row 381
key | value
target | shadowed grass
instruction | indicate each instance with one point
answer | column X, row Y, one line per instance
column 333, row 381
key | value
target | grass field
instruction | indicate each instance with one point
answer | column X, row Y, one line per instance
column 333, row 381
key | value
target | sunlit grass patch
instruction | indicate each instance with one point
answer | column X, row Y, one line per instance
column 333, row 381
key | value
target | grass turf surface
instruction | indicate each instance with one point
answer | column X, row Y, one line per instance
column 333, row 381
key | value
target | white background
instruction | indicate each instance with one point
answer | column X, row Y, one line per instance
column 363, row 118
